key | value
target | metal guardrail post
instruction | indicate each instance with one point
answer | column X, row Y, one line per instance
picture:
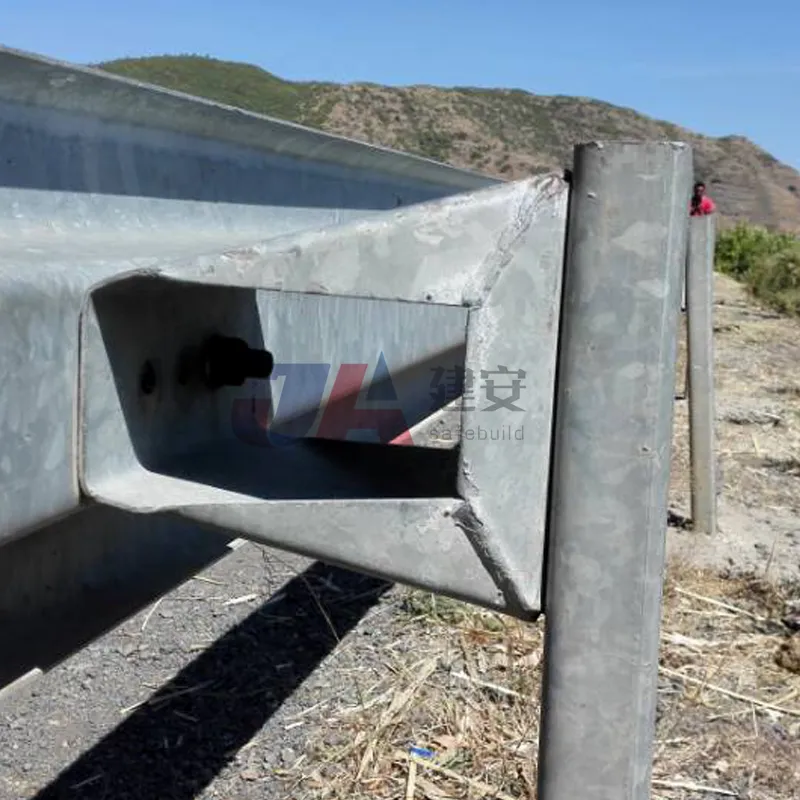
column 700, row 371
column 682, row 393
column 614, row 409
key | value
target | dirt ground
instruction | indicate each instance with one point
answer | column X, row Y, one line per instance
column 757, row 384
column 270, row 677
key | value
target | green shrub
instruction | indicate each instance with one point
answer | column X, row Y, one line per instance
column 776, row 280
column 434, row 144
column 767, row 262
column 741, row 249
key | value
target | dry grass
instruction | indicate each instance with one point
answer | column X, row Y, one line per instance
column 464, row 684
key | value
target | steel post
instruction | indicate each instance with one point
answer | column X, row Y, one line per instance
column 614, row 409
column 700, row 371
column 683, row 393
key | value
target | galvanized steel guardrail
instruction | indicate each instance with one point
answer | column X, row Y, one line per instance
column 138, row 224
column 100, row 176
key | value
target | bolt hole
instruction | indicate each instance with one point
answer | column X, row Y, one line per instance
column 147, row 378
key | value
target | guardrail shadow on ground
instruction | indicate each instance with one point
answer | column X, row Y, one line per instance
column 244, row 680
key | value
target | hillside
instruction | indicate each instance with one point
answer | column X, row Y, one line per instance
column 504, row 132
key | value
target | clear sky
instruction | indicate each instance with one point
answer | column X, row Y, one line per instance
column 717, row 68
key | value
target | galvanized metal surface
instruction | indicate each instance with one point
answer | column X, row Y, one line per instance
column 442, row 429
column 485, row 266
column 91, row 152
column 616, row 379
column 700, row 371
column 101, row 176
column 98, row 118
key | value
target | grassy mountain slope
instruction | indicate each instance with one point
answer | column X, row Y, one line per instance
column 509, row 133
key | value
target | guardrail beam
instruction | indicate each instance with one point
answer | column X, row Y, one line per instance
column 469, row 283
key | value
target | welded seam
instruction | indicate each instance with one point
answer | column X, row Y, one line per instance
column 535, row 197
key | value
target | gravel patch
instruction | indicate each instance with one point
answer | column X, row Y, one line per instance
column 200, row 696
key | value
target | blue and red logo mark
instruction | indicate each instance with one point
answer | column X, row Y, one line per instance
column 374, row 411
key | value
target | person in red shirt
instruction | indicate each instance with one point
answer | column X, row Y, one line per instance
column 701, row 203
